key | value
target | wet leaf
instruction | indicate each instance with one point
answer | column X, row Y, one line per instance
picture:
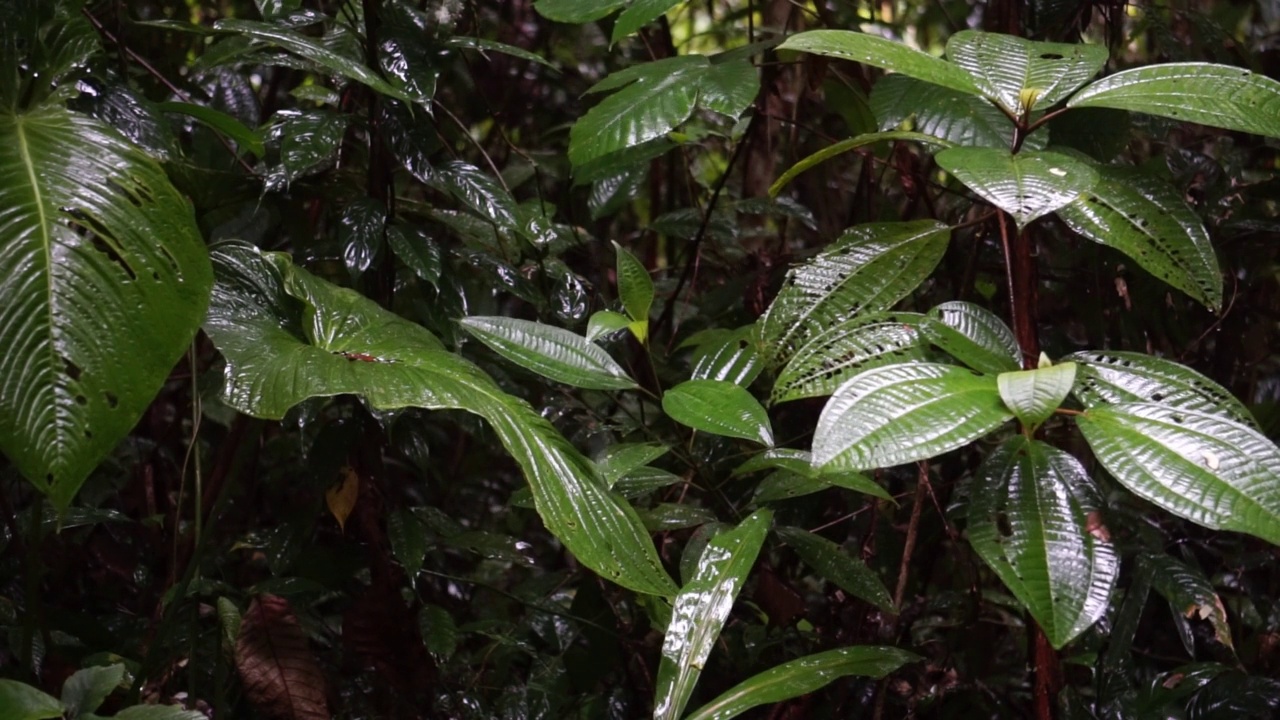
column 1107, row 377
column 576, row 11
column 733, row 358
column 671, row 516
column 644, row 480
column 439, row 632
column 1021, row 74
column 85, row 690
column 361, row 232
column 638, row 14
column 831, row 561
column 408, row 538
column 720, row 408
column 635, row 287
column 973, row 335
column 1028, row 185
column 605, row 322
column 27, row 703
column 1189, row 593
column 417, row 251
column 950, row 116
column 883, row 53
column 1033, row 395
column 844, row 146
column 833, row 356
column 280, row 675
column 550, row 351
column 232, row 128
column 620, row 459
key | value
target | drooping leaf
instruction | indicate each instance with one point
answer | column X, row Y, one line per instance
column 309, row 141
column 841, row 351
column 1107, row 376
column 281, row 677
column 1033, row 395
column 105, row 280
column 438, row 631
column 1027, row 185
column 1021, row 74
column 868, row 269
column 1189, row 593
column 1217, row 95
column 831, row 561
column 883, row 53
column 486, row 45
column 635, row 287
column 801, row 676
column 576, row 11
column 362, row 229
column 550, row 351
column 1030, row 510
column 953, row 117
column 974, row 336
column 901, row 413
column 1201, row 466
column 408, row 538
column 844, row 146
column 1144, row 218
column 720, row 408
column 701, row 609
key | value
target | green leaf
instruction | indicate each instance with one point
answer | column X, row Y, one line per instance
column 223, row 123
column 836, row 354
column 728, row 87
column 417, row 251
column 1027, row 185
column 288, row 336
column 1189, row 592
column 644, row 480
column 106, row 278
column 954, row 118
column 1033, row 395
column 605, row 322
column 1145, row 218
column 439, row 632
column 635, row 287
column 786, row 484
column 665, row 517
column 701, row 609
column 832, row 562
column 159, row 712
column 408, row 538
column 638, row 14
column 475, row 189
column 550, row 351
column 973, row 335
column 618, row 460
column 309, row 142
column 733, row 358
column 1033, row 519
column 576, row 11
column 720, row 408
column 803, row 675
column 1205, row 93
column 844, row 146
column 20, row 701
column 869, row 268
column 880, row 52
column 85, row 690
column 1107, row 376
column 1020, row 74
column 1200, row 466
column 486, row 45
column 902, row 413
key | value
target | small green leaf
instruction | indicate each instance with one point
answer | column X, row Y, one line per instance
column 701, row 609
column 801, row 676
column 408, row 538
column 665, row 517
column 439, row 632
column 832, row 562
column 973, row 335
column 1021, row 74
column 786, row 484
column 576, row 11
column 1107, row 376
column 85, row 690
column 550, row 351
column 844, row 146
column 883, row 53
column 1033, row 395
column 635, row 287
column 902, row 413
column 605, row 322
column 417, row 251
column 720, row 408
column 232, row 128
column 1027, row 185
column 728, row 86
column 620, row 459
column 20, row 701
column 644, row 480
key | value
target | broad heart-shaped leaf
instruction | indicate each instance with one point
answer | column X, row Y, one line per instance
column 1027, row 185
column 1021, row 74
column 1033, row 395
column 832, row 562
column 836, row 354
column 550, row 351
column 103, row 281
column 1144, row 218
column 1217, row 95
column 844, row 146
column 1029, row 514
column 1107, row 376
column 868, row 269
column 801, row 676
column 20, row 701
column 902, row 413
column 949, row 115
column 1189, row 593
column 288, row 336
column 720, row 408
column 1200, row 466
column 576, row 11
column 635, row 287
column 701, row 608
column 883, row 53
column 973, row 335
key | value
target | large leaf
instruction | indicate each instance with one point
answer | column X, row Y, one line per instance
column 1107, row 376
column 103, row 281
column 550, row 351
column 280, row 675
column 973, row 335
column 951, row 116
column 882, row 53
column 1200, row 466
column 1021, row 74
column 801, row 676
column 831, row 561
column 701, row 609
column 1031, row 508
column 1027, row 185
column 288, row 336
column 720, row 408
column 836, row 354
column 901, row 413
column 20, row 701
column 839, row 148
column 1217, row 95
column 85, row 690
column 1144, row 218
column 868, row 269
column 1033, row 395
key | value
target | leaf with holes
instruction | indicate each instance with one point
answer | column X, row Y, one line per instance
column 552, row 352
column 1201, row 466
column 105, row 279
column 720, row 408
column 831, row 561
column 1144, row 218
column 1189, row 592
column 1030, row 509
column 973, row 335
column 280, row 674
column 1021, row 74
column 1106, row 377
column 1027, row 185
column 882, row 53
column 1033, row 395
column 836, row 354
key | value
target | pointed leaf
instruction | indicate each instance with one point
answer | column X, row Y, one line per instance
column 247, row 139
column 844, row 146
column 1029, row 513
column 1027, row 185
column 701, row 609
column 20, row 701
column 880, row 52
column 604, row 323
column 1033, row 395
column 801, row 676
column 635, row 287
column 831, row 561
column 576, row 11
column 1144, row 218
column 85, row 690
column 550, row 351
column 902, row 413
column 1189, row 593
column 665, row 517
column 720, row 408
column 973, row 335
column 833, row 356
column 1200, row 466
column 954, row 118
column 644, row 480
column 417, row 251
column 1205, row 93
column 1021, row 74
column 474, row 188
column 1107, row 376
column 786, row 484
column 728, row 87
column 618, row 460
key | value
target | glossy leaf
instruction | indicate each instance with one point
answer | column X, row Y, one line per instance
column 832, row 562
column 618, row 460
column 883, row 53
column 550, row 351
column 1217, row 95
column 576, row 11
column 104, row 278
column 1107, row 376
column 417, row 251
column 973, row 335
column 1144, row 218
column 1021, row 74
column 869, row 268
column 1028, row 185
column 734, row 358
column 23, row 702
column 278, row 356
column 85, row 690
column 638, row 14
column 836, row 354
column 1033, row 395
column 665, row 517
column 644, row 480
column 720, row 408
column 635, row 287
column 309, row 142
column 362, row 228
column 839, row 148
column 605, row 322
column 232, row 128
column 948, row 115
column 803, row 675
column 701, row 609
column 1030, row 509
column 902, row 413
column 1189, row 593
column 471, row 186
column 1204, row 467
column 787, row 484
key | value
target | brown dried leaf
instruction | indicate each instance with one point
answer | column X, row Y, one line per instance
column 341, row 498
column 281, row 677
